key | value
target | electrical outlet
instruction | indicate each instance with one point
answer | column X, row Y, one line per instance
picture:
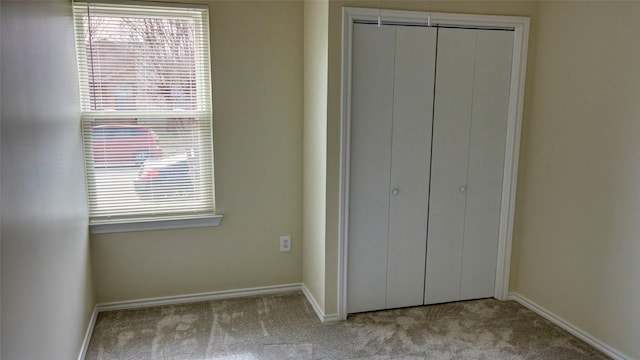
column 285, row 243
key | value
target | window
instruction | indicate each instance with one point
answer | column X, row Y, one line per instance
column 146, row 114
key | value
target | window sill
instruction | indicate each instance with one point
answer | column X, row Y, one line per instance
column 210, row 221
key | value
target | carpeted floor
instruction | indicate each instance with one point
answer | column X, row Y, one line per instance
column 284, row 326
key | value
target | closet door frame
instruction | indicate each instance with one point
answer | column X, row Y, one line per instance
column 520, row 26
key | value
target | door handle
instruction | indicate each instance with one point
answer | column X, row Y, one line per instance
column 463, row 188
column 395, row 192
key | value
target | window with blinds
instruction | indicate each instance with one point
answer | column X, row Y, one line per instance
column 146, row 111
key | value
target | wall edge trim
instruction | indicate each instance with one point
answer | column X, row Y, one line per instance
column 569, row 327
column 189, row 298
column 88, row 333
column 318, row 310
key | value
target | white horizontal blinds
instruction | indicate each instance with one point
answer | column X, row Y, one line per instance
column 146, row 110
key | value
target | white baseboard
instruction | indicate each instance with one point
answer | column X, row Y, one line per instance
column 183, row 299
column 572, row 329
column 314, row 304
column 88, row 333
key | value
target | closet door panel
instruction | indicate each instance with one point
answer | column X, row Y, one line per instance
column 486, row 162
column 370, row 166
column 452, row 116
column 410, row 164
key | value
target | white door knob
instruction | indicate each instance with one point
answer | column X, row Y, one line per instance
column 463, row 188
column 395, row 192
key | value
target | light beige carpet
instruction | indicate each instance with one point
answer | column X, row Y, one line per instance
column 284, row 326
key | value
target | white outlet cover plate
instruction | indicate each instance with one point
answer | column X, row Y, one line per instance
column 285, row 243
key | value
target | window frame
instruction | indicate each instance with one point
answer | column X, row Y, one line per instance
column 117, row 223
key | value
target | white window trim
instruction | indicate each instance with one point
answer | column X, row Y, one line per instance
column 212, row 220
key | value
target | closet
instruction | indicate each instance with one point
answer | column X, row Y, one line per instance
column 429, row 111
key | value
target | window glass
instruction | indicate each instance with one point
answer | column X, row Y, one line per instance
column 146, row 111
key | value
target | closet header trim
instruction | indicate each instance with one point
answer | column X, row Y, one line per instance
column 419, row 24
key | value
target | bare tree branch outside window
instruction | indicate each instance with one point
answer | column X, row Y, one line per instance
column 145, row 64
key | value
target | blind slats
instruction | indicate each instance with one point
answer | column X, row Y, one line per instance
column 146, row 111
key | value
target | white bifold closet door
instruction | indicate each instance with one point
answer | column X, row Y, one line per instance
column 426, row 164
column 391, row 124
column 471, row 106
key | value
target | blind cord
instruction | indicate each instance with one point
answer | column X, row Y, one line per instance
column 92, row 90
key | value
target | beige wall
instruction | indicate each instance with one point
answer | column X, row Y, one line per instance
column 579, row 247
column 521, row 8
column 257, row 56
column 316, row 22
column 575, row 242
column 47, row 296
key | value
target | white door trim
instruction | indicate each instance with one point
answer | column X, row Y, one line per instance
column 520, row 25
